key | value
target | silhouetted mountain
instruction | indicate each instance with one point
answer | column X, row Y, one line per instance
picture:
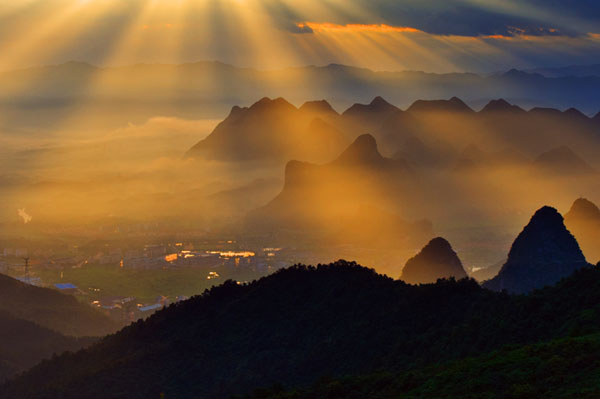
column 568, row 71
column 583, row 220
column 23, row 344
column 575, row 114
column 435, row 261
column 321, row 107
column 519, row 75
column 361, row 118
column 501, row 105
column 562, row 161
column 543, row 253
column 455, row 104
column 322, row 198
column 205, row 89
column 321, row 110
column 362, row 152
column 376, row 107
column 303, row 323
column 271, row 131
column 583, row 210
column 545, row 111
column 275, row 131
column 52, row 309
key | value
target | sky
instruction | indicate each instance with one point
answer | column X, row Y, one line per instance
column 433, row 36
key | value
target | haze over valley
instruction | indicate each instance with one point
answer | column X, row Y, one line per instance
column 268, row 199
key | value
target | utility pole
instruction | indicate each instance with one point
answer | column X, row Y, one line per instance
column 27, row 269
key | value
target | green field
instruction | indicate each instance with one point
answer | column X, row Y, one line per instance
column 145, row 285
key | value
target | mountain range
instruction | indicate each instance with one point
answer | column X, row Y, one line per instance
column 206, row 89
column 428, row 133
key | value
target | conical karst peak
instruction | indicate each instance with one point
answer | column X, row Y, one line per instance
column 543, row 253
column 362, row 150
column 583, row 208
column 435, row 261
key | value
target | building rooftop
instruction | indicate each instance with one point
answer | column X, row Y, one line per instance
column 150, row 307
column 65, row 286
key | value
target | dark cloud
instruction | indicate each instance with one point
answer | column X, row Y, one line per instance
column 467, row 18
column 300, row 28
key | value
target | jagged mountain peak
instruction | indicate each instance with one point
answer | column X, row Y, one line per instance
column 378, row 105
column 270, row 104
column 454, row 104
column 362, row 150
column 501, row 105
column 318, row 106
column 574, row 112
column 545, row 111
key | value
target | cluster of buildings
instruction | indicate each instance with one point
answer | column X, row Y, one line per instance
column 128, row 309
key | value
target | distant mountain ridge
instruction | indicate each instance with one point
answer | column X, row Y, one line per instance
column 454, row 104
column 276, row 131
column 568, row 71
column 206, row 89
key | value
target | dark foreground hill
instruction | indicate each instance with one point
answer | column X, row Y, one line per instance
column 23, row 344
column 559, row 369
column 52, row 309
column 303, row 323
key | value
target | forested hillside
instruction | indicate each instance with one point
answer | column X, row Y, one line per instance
column 303, row 323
